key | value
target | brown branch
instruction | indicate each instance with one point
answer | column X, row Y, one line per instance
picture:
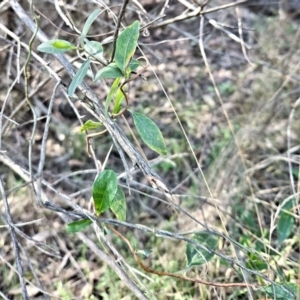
column 162, row 273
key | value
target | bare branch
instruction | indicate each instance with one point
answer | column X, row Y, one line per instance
column 197, row 12
column 14, row 241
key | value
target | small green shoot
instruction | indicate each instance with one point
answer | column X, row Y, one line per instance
column 111, row 93
column 89, row 124
column 118, row 101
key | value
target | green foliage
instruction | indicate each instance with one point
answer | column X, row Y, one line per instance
column 255, row 262
column 118, row 101
column 126, row 45
column 92, row 17
column 285, row 222
column 107, row 194
column 118, row 206
column 56, row 46
column 94, row 49
column 196, row 256
column 282, row 292
column 78, row 78
column 89, row 124
column 78, row 225
column 110, row 71
column 111, row 93
column 104, row 190
column 134, row 64
column 149, row 133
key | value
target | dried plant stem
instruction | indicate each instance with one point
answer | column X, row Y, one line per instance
column 14, row 242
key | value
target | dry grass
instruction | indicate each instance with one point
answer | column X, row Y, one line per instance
column 247, row 146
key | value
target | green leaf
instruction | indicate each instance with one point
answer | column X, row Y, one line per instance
column 56, row 46
column 78, row 225
column 104, row 190
column 110, row 71
column 134, row 64
column 149, row 133
column 255, row 262
column 118, row 101
column 92, row 17
column 78, row 78
column 285, row 222
column 126, row 45
column 118, row 205
column 95, row 49
column 197, row 256
column 111, row 93
column 282, row 292
column 89, row 124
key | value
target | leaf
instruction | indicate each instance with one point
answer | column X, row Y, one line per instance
column 95, row 49
column 89, row 124
column 126, row 45
column 92, row 17
column 56, row 46
column 285, row 222
column 104, row 190
column 110, row 71
column 134, row 64
column 111, row 93
column 197, row 256
column 118, row 101
column 255, row 262
column 149, row 133
column 78, row 225
column 78, row 78
column 118, row 205
column 282, row 292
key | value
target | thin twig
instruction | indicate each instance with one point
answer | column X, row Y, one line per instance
column 31, row 105
column 197, row 12
column 14, row 242
column 43, row 146
column 28, row 281
column 111, row 262
column 3, row 296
